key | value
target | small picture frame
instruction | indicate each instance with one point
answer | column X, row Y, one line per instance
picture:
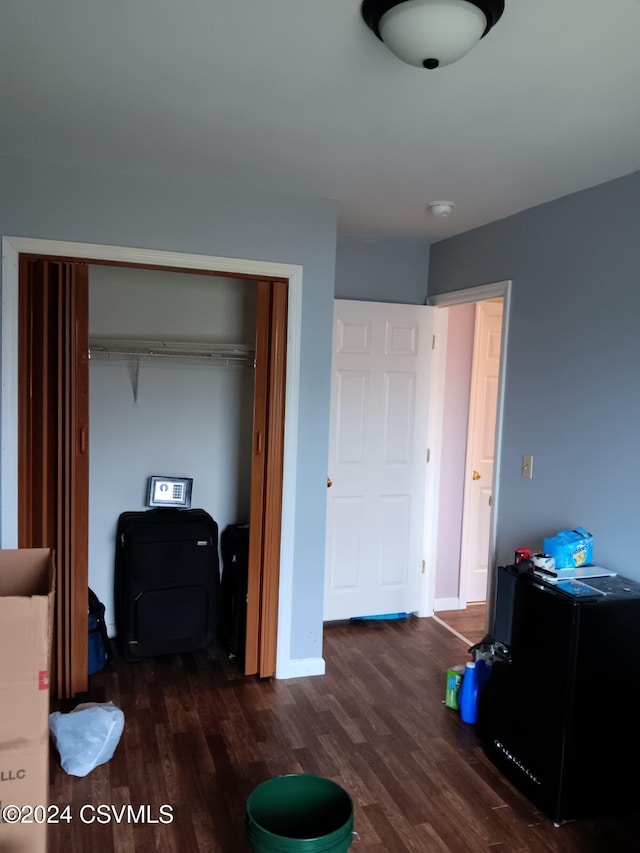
column 169, row 491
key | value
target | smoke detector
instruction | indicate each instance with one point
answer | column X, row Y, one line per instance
column 440, row 208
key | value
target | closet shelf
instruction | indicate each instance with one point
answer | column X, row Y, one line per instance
column 171, row 352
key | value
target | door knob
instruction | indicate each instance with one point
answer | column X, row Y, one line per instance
column 477, row 475
column 329, row 482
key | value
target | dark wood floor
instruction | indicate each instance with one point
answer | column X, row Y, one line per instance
column 199, row 737
column 470, row 622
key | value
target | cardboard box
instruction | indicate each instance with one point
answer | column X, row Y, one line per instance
column 27, row 583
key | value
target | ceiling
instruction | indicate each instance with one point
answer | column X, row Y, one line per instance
column 299, row 97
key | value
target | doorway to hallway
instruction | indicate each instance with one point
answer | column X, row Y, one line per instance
column 474, row 321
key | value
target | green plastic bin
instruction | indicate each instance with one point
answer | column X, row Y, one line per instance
column 299, row 813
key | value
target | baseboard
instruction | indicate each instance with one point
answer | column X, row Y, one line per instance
column 301, row 667
column 446, row 604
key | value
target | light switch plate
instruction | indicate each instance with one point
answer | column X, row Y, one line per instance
column 527, row 467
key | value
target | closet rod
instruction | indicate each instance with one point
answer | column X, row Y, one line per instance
column 170, row 352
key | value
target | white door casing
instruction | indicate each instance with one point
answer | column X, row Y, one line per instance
column 377, row 458
column 286, row 666
column 481, row 440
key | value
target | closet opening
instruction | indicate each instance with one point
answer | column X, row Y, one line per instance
column 131, row 369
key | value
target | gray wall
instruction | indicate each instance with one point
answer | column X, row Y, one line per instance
column 572, row 395
column 382, row 270
column 65, row 203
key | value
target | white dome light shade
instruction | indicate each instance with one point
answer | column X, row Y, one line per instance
column 440, row 208
column 431, row 33
column 418, row 31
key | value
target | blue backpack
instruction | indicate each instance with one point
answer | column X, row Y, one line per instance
column 99, row 645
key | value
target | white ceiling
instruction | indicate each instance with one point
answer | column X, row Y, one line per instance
column 299, row 97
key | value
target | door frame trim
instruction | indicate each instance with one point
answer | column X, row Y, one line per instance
column 12, row 247
column 478, row 293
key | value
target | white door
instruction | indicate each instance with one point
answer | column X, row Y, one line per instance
column 478, row 487
column 377, row 458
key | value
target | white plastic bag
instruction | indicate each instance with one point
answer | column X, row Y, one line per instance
column 87, row 736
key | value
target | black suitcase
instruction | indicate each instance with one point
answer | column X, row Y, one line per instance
column 234, row 549
column 167, row 581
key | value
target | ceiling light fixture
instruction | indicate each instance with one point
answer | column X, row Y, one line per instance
column 440, row 208
column 431, row 33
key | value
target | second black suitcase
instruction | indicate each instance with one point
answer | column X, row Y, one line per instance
column 234, row 549
column 167, row 581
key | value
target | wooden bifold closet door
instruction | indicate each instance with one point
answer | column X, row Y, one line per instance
column 53, row 458
column 266, row 479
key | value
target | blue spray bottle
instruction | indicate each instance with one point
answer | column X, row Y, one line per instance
column 469, row 694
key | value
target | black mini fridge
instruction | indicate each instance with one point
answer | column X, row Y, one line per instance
column 559, row 715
